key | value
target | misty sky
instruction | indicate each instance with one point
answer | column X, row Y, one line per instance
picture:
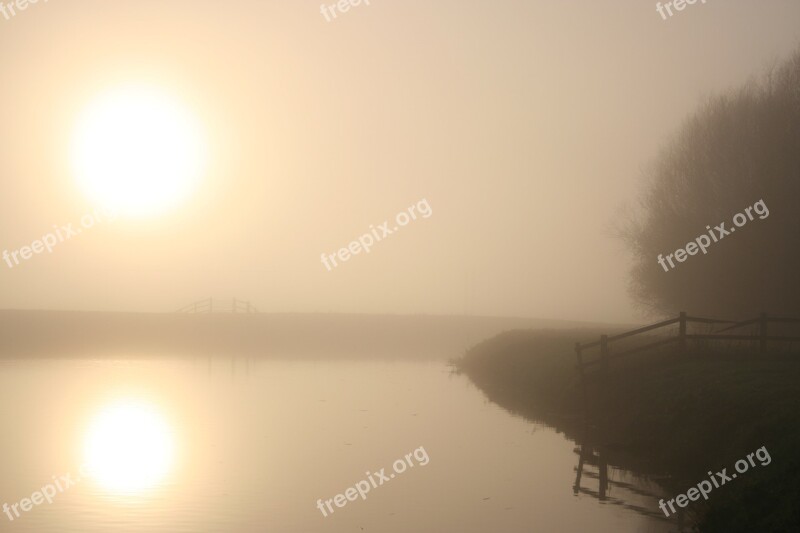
column 524, row 123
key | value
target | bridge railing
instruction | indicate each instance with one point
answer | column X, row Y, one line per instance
column 209, row 305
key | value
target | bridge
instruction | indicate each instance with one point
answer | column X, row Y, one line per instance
column 210, row 305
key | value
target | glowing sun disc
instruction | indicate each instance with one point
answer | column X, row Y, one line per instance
column 138, row 151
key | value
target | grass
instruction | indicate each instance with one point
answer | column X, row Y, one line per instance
column 664, row 414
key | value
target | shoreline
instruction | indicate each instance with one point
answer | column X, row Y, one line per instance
column 36, row 334
column 664, row 416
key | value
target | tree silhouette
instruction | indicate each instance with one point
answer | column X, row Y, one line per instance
column 736, row 149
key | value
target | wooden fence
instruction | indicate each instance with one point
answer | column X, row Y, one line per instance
column 681, row 339
column 683, row 336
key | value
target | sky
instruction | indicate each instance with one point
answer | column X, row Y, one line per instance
column 523, row 125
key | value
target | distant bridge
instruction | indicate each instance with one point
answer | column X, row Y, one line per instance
column 210, row 305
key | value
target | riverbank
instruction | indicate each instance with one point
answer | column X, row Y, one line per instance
column 664, row 415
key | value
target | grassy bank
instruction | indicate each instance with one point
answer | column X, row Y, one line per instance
column 663, row 414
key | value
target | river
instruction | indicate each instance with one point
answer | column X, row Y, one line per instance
column 240, row 446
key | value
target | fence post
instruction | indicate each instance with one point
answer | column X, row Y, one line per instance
column 682, row 333
column 762, row 341
column 583, row 378
column 604, row 351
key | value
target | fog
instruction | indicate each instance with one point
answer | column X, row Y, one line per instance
column 259, row 259
column 524, row 125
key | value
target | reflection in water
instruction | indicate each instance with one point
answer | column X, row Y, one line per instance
column 586, row 456
column 593, row 464
column 269, row 438
column 129, row 447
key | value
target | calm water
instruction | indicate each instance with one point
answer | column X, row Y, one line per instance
column 255, row 445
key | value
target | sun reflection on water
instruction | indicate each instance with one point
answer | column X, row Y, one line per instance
column 129, row 447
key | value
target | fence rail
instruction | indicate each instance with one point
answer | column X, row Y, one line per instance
column 683, row 320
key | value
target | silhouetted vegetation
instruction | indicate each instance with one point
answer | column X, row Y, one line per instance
column 664, row 415
column 737, row 149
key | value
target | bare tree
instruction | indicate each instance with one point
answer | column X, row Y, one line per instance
column 736, row 149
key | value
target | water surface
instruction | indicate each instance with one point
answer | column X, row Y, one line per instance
column 256, row 444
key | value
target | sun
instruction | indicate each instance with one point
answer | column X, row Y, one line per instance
column 138, row 151
column 129, row 447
